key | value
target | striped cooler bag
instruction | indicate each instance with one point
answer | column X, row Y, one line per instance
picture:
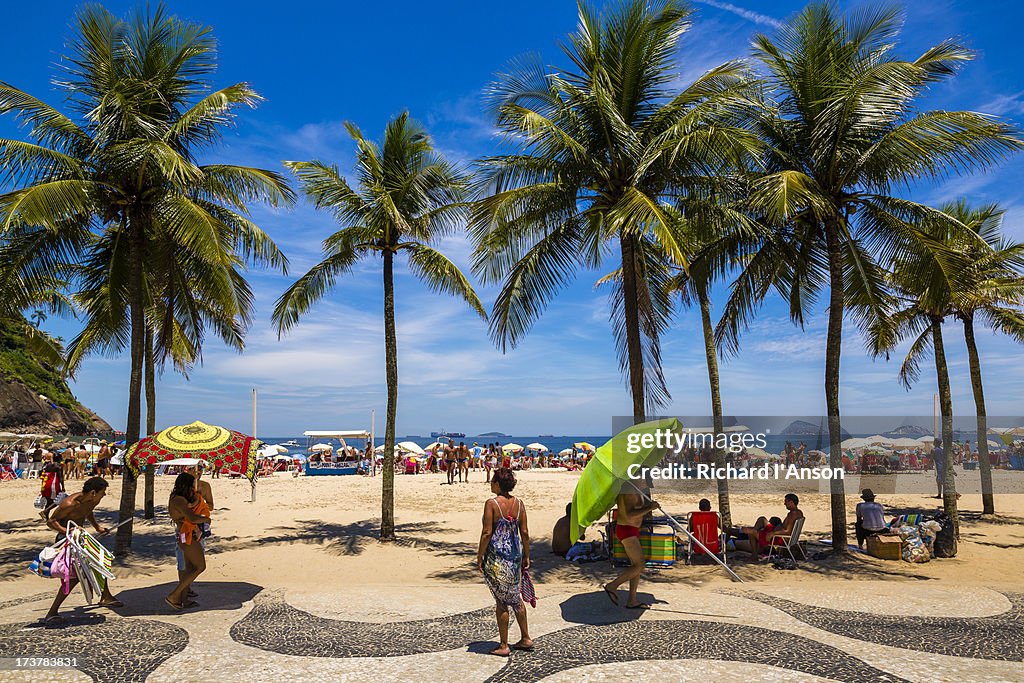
column 658, row 542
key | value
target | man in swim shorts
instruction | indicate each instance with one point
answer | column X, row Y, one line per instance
column 631, row 508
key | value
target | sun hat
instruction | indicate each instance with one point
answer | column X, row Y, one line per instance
column 867, row 494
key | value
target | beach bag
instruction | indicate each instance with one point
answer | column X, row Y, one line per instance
column 42, row 565
column 914, row 550
column 945, row 540
column 526, row 589
column 928, row 530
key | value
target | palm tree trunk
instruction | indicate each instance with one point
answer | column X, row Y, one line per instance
column 946, row 411
column 711, row 354
column 136, row 305
column 634, row 351
column 148, row 506
column 387, row 514
column 833, row 352
column 987, row 499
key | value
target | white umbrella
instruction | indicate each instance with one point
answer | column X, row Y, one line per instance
column 877, row 438
column 537, row 447
column 411, row 448
column 276, row 448
column 432, row 446
column 565, row 451
column 904, row 442
column 928, row 438
column 283, row 457
column 322, row 447
column 117, row 459
column 512, row 448
column 854, row 443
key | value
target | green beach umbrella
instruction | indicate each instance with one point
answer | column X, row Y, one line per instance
column 604, row 475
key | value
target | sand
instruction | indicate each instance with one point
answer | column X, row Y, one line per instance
column 303, row 533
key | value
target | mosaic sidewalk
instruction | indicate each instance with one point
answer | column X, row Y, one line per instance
column 444, row 634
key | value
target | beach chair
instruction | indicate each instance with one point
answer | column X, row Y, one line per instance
column 706, row 528
column 790, row 542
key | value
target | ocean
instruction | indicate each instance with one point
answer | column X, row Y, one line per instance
column 775, row 442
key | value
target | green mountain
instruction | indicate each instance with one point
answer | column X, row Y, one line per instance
column 33, row 395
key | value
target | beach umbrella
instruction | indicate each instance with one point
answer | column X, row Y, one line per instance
column 606, row 472
column 8, row 436
column 411, row 447
column 220, row 447
column 512, row 448
column 565, row 451
column 756, row 452
column 585, row 446
column 321, row 447
column 431, row 446
column 537, row 447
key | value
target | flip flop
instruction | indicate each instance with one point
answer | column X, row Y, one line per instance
column 190, row 603
column 522, row 648
column 642, row 605
column 173, row 605
column 55, row 620
column 611, row 595
column 112, row 605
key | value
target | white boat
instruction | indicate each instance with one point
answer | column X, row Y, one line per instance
column 291, row 443
column 359, row 437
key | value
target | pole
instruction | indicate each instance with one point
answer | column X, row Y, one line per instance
column 935, row 416
column 254, row 412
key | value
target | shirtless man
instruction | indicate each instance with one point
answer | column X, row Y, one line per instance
column 631, row 509
column 463, row 458
column 103, row 460
column 78, row 508
column 449, row 461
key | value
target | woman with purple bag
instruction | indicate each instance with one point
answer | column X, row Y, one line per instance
column 503, row 557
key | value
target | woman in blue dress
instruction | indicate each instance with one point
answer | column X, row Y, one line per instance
column 503, row 554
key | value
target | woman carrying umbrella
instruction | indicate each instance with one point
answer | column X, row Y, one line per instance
column 503, row 556
column 189, row 512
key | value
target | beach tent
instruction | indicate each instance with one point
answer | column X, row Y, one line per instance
column 410, row 447
column 536, row 447
column 512, row 448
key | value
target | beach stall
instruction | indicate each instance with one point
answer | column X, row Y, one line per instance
column 316, row 469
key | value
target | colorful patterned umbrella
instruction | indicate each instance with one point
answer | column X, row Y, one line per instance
column 221, row 448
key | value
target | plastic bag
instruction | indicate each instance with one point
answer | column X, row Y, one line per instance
column 39, row 503
column 945, row 540
column 928, row 531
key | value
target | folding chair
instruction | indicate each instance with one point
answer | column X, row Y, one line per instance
column 791, row 541
column 706, row 528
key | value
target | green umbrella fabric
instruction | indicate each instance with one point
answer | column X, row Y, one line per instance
column 603, row 476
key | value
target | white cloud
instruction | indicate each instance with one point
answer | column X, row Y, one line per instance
column 743, row 13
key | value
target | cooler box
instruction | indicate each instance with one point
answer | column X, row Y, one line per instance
column 658, row 542
column 885, row 547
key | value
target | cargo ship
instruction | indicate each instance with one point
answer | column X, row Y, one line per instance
column 447, row 435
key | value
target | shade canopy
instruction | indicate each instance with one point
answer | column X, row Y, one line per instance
column 336, row 434
column 220, row 447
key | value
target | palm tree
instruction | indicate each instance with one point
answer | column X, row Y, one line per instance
column 128, row 167
column 714, row 245
column 843, row 133
column 990, row 289
column 603, row 150
column 38, row 317
column 406, row 197
column 924, row 278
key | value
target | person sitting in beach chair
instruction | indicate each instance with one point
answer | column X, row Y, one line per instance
column 560, row 541
column 706, row 527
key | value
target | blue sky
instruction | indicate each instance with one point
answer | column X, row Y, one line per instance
column 321, row 63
